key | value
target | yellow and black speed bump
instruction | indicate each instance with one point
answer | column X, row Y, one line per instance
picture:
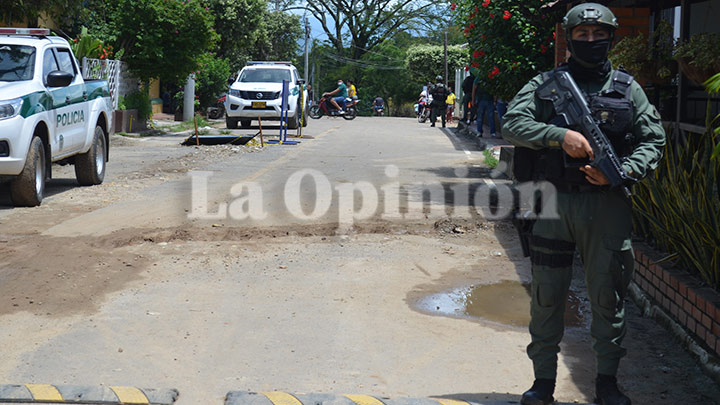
column 282, row 398
column 102, row 395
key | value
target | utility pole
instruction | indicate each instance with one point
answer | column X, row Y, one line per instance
column 307, row 41
column 446, row 62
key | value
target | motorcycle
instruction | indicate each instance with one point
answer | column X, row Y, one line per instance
column 379, row 110
column 423, row 112
column 218, row 110
column 325, row 107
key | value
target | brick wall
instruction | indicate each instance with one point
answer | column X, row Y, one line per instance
column 632, row 21
column 681, row 296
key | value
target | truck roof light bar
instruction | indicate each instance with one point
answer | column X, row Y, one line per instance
column 268, row 63
column 24, row 31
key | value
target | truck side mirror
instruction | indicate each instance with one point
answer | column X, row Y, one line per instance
column 58, row 78
column 300, row 81
column 231, row 81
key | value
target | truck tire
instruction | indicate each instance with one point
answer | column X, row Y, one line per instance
column 90, row 166
column 27, row 189
column 230, row 123
column 293, row 121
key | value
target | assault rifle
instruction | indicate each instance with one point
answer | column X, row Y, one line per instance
column 570, row 104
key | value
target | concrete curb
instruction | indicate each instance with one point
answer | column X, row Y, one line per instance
column 101, row 395
column 282, row 398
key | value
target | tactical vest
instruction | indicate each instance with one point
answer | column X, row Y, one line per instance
column 613, row 111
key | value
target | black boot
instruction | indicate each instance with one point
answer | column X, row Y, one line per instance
column 541, row 393
column 607, row 392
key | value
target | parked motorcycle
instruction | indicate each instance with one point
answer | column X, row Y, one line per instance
column 379, row 110
column 218, row 110
column 325, row 107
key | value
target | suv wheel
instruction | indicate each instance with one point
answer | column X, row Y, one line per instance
column 293, row 121
column 230, row 123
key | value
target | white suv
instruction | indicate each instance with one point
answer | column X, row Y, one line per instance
column 257, row 93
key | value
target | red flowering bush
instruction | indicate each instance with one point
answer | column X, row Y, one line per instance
column 507, row 52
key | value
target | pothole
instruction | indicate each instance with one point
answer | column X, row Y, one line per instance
column 506, row 302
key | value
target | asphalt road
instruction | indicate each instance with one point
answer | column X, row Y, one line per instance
column 296, row 268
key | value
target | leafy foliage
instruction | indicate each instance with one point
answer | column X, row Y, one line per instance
column 239, row 23
column 367, row 24
column 649, row 58
column 427, row 61
column 29, row 11
column 510, row 41
column 278, row 37
column 702, row 50
column 162, row 38
column 86, row 46
column 211, row 79
column 678, row 205
column 137, row 100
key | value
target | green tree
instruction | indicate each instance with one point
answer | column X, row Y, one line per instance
column 30, row 10
column 162, row 39
column 425, row 62
column 211, row 78
column 278, row 37
column 239, row 23
column 510, row 41
column 367, row 24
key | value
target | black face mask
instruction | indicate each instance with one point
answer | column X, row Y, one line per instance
column 591, row 54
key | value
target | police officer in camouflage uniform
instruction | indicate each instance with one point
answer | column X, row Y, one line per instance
column 593, row 218
column 439, row 94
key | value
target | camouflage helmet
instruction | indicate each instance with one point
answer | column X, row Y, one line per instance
column 589, row 13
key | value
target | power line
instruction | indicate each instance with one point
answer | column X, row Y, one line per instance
column 362, row 64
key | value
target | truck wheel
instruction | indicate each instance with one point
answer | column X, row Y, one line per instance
column 27, row 189
column 245, row 123
column 231, row 123
column 90, row 166
column 293, row 121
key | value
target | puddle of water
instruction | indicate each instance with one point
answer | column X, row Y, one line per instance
column 507, row 302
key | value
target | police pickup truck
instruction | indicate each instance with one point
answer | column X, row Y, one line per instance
column 48, row 113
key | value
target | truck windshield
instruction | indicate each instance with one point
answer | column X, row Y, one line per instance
column 17, row 63
column 264, row 75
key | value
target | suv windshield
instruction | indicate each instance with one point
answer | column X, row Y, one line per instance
column 264, row 76
column 17, row 63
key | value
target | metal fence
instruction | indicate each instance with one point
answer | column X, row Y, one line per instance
column 107, row 70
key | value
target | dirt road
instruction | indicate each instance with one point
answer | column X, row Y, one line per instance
column 124, row 284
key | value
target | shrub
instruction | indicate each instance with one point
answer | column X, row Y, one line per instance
column 137, row 100
column 678, row 205
column 510, row 41
column 211, row 79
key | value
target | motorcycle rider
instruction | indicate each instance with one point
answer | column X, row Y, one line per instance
column 378, row 105
column 342, row 94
